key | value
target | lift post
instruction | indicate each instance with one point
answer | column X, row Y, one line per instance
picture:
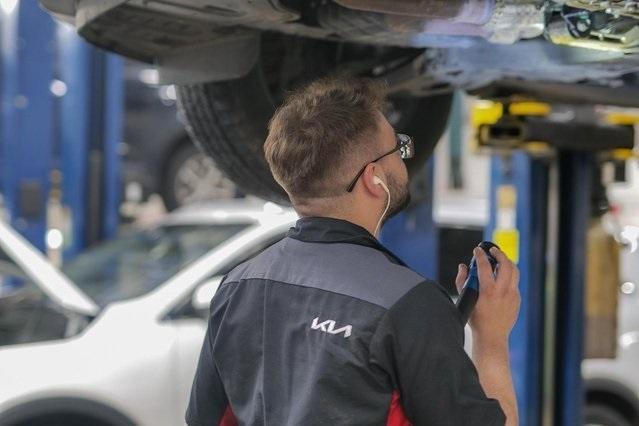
column 526, row 179
column 575, row 189
column 59, row 133
column 90, row 133
column 27, row 123
column 547, row 239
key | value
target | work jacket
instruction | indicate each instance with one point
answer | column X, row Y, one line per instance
column 328, row 327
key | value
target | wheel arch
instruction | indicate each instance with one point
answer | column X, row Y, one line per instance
column 34, row 409
column 613, row 394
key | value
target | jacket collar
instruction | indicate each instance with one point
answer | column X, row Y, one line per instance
column 332, row 230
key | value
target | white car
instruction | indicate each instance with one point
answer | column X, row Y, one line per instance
column 119, row 344
column 612, row 385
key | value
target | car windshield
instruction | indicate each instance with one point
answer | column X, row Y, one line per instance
column 136, row 263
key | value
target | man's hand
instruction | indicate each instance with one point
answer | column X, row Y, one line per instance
column 498, row 304
column 492, row 320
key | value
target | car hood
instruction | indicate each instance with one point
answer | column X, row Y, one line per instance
column 52, row 282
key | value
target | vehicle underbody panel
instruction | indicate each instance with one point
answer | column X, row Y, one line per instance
column 468, row 44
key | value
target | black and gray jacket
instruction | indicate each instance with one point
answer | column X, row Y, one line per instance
column 328, row 327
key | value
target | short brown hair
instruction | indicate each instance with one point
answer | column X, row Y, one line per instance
column 320, row 131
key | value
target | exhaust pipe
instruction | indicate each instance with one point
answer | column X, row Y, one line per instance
column 498, row 21
column 476, row 12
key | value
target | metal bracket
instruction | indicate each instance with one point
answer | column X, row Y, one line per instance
column 530, row 126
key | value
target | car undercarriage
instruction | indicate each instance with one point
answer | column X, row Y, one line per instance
column 466, row 44
column 232, row 61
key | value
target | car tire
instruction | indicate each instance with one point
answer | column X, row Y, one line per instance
column 229, row 119
column 603, row 415
column 189, row 176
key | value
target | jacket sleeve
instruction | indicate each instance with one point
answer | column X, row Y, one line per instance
column 419, row 344
column 208, row 403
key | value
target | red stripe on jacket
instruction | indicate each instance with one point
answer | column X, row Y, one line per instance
column 396, row 416
column 228, row 419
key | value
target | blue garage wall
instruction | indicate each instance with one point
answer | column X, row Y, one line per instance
column 412, row 234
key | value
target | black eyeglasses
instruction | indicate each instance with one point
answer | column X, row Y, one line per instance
column 405, row 147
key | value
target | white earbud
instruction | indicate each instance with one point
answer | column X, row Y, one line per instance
column 378, row 181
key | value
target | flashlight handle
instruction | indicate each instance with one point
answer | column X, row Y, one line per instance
column 470, row 292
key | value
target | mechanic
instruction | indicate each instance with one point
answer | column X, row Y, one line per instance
column 327, row 326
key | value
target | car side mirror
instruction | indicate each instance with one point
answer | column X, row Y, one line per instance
column 205, row 292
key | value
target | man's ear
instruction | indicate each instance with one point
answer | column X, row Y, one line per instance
column 368, row 179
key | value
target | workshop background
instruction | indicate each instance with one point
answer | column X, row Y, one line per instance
column 116, row 228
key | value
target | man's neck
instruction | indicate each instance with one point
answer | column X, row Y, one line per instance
column 343, row 216
column 353, row 212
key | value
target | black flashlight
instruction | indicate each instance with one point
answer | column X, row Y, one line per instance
column 470, row 292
